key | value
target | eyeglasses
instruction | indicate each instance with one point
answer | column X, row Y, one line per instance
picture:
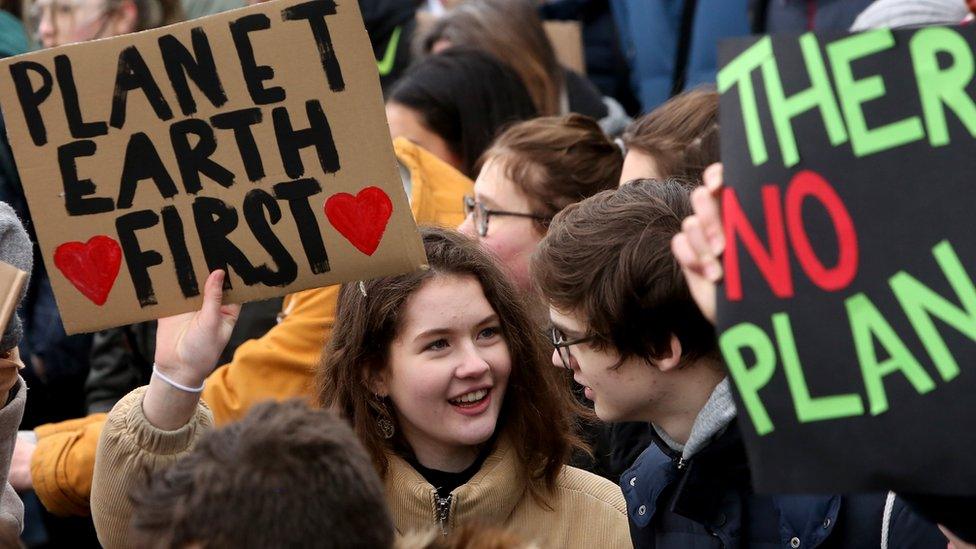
column 481, row 215
column 562, row 344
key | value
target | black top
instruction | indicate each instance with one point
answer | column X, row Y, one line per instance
column 445, row 482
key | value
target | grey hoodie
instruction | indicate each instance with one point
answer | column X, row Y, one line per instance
column 16, row 250
column 711, row 421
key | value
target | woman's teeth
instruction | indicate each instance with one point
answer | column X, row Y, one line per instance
column 471, row 397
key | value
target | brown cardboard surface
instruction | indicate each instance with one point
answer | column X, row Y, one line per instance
column 84, row 246
column 567, row 40
column 12, row 281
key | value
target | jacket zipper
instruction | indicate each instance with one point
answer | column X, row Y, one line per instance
column 682, row 463
column 442, row 510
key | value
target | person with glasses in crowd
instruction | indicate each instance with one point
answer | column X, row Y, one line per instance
column 60, row 22
column 625, row 324
column 529, row 173
column 533, row 170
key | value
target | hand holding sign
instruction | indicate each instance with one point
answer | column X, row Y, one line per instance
column 188, row 345
column 187, row 348
column 699, row 246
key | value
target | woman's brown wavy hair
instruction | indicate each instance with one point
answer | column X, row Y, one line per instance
column 537, row 413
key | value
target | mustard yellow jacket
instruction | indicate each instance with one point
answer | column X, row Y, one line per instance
column 278, row 365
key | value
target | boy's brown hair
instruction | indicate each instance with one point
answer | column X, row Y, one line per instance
column 608, row 260
column 556, row 161
column 536, row 411
column 284, row 476
column 681, row 135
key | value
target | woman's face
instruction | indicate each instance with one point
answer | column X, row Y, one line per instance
column 60, row 22
column 409, row 124
column 449, row 368
column 512, row 239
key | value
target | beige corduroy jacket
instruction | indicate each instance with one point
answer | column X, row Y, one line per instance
column 586, row 510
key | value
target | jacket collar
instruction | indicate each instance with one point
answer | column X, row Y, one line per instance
column 701, row 483
column 489, row 497
column 701, row 490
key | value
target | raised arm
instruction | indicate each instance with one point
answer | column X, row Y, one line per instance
column 152, row 427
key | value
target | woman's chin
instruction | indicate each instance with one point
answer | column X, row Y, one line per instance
column 476, row 433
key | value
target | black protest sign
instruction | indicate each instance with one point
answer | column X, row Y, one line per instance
column 847, row 316
column 253, row 141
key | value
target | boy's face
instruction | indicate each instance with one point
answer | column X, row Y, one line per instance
column 625, row 393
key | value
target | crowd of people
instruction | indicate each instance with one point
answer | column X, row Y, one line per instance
column 552, row 379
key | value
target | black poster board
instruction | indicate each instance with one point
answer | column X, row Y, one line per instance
column 847, row 316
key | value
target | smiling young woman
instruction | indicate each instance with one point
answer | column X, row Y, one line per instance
column 445, row 380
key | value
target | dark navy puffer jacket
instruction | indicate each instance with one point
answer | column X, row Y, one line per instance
column 707, row 502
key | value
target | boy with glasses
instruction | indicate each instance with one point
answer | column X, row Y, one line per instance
column 625, row 323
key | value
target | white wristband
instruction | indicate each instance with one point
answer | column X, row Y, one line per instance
column 179, row 386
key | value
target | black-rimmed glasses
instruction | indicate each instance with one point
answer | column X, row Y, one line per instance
column 562, row 344
column 481, row 214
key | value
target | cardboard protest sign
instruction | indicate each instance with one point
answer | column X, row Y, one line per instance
column 12, row 282
column 253, row 141
column 566, row 38
column 847, row 317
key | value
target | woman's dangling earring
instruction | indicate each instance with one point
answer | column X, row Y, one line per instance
column 384, row 422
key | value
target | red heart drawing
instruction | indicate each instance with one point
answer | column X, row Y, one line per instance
column 91, row 267
column 362, row 218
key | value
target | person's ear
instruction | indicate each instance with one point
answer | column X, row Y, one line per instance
column 377, row 383
column 125, row 19
column 673, row 360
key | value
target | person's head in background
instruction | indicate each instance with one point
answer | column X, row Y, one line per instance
column 284, row 476
column 432, row 365
column 60, row 22
column 510, row 30
column 531, row 172
column 453, row 104
column 623, row 317
column 678, row 139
